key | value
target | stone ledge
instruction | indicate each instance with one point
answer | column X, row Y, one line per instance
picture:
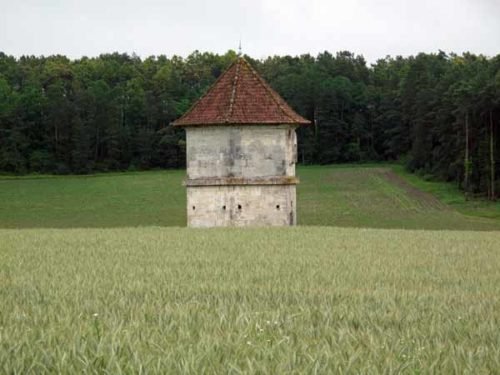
column 241, row 181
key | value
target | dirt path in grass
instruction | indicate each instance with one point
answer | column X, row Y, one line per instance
column 428, row 199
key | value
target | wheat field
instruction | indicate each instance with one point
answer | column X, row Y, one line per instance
column 289, row 300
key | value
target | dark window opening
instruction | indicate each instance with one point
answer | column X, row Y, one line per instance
column 194, row 207
column 277, row 206
column 224, row 207
column 239, row 207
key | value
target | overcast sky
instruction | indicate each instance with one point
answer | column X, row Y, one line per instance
column 373, row 28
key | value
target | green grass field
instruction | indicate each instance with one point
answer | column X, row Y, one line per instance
column 123, row 292
column 347, row 196
column 296, row 300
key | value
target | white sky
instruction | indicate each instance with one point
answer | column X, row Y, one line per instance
column 373, row 28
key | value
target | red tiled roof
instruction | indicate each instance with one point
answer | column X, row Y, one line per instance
column 240, row 96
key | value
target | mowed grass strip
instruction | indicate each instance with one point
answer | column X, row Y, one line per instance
column 296, row 300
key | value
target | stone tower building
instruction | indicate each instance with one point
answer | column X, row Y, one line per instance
column 241, row 152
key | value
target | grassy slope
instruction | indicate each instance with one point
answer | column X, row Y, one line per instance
column 106, row 200
column 172, row 300
column 350, row 196
column 452, row 196
column 373, row 196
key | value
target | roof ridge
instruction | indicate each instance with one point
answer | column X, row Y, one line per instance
column 206, row 92
column 269, row 89
column 233, row 92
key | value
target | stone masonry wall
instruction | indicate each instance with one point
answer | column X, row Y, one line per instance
column 241, row 175
column 240, row 151
column 257, row 205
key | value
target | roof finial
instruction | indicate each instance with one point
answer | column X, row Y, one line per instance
column 239, row 49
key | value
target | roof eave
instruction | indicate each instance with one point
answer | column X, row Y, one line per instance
column 297, row 123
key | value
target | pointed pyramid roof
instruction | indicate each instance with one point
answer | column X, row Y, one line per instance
column 240, row 96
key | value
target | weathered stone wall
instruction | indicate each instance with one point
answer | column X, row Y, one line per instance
column 240, row 151
column 253, row 205
column 241, row 175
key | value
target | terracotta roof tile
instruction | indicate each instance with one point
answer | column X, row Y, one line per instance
column 240, row 96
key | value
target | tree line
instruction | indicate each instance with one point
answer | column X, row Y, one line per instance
column 439, row 113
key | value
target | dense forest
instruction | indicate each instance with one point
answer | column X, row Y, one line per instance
column 438, row 113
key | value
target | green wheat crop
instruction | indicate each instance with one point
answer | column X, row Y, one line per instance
column 290, row 300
